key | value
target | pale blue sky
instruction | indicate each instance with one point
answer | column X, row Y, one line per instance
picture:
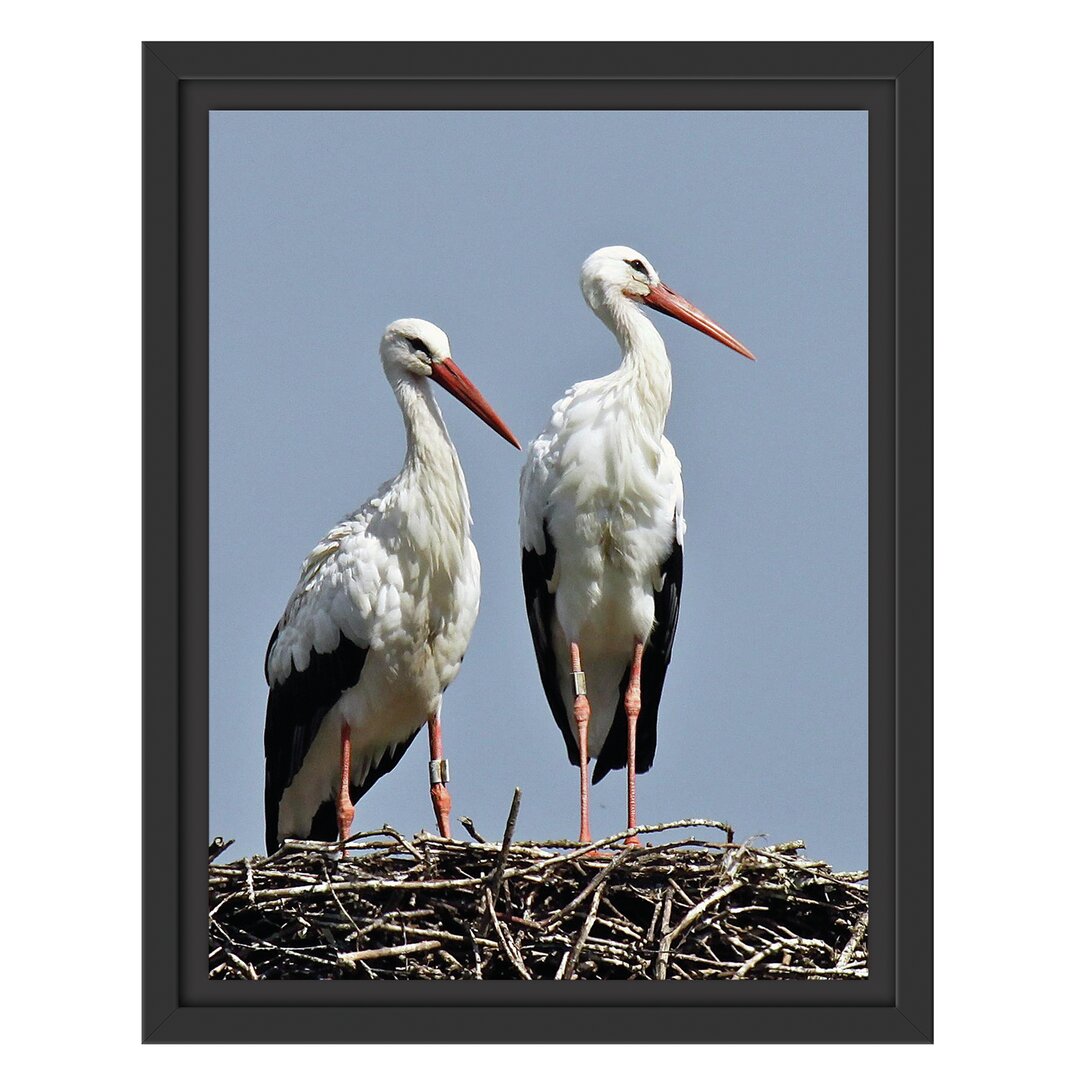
column 326, row 226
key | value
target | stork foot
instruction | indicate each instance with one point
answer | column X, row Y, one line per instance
column 439, row 772
column 440, row 800
column 345, row 818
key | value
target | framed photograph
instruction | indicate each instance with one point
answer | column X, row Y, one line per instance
column 314, row 222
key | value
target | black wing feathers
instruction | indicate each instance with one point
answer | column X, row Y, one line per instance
column 294, row 711
column 536, row 571
column 654, row 664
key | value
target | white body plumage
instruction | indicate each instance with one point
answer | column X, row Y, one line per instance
column 608, row 486
column 400, row 578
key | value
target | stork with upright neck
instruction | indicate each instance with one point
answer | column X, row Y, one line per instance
column 378, row 624
column 602, row 530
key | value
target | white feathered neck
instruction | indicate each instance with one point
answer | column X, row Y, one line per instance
column 431, row 481
column 642, row 382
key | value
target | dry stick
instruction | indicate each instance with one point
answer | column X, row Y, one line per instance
column 651, row 935
column 363, row 886
column 222, row 902
column 586, row 926
column 508, row 832
column 470, row 938
column 585, row 851
column 696, row 912
column 682, row 894
column 394, row 918
column 451, row 960
column 218, row 845
column 508, row 947
column 470, row 828
column 450, row 936
column 855, row 940
column 341, row 908
column 352, row 959
column 594, row 884
column 610, row 841
column 563, row 963
column 403, row 842
column 243, row 966
column 787, row 846
column 757, row 958
column 494, row 883
column 665, row 941
column 325, row 847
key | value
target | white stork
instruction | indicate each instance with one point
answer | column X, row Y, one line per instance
column 602, row 530
column 378, row 624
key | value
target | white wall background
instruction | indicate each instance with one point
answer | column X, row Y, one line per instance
column 1007, row 389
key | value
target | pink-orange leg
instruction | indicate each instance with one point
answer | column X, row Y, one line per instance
column 581, row 718
column 345, row 812
column 439, row 774
column 632, row 704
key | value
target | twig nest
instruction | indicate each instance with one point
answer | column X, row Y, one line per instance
column 429, row 908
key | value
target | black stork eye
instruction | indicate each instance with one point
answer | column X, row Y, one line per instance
column 418, row 345
column 637, row 265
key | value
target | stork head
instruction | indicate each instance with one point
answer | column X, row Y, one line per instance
column 421, row 349
column 613, row 275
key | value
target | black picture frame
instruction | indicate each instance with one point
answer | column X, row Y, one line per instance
column 181, row 82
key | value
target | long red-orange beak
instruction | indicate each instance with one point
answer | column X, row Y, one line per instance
column 678, row 307
column 452, row 379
